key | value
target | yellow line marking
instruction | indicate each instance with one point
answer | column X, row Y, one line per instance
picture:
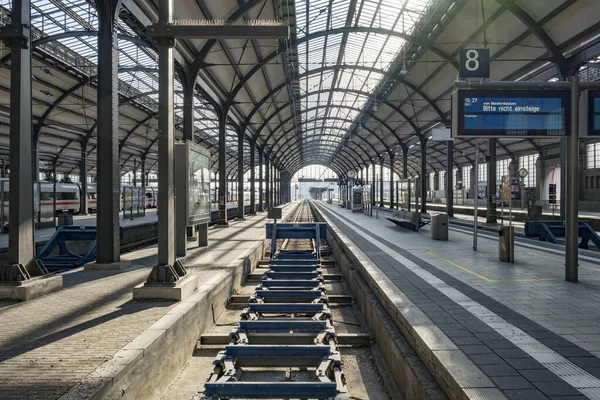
column 485, row 278
column 467, row 270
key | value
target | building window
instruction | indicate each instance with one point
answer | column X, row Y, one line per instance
column 431, row 180
column 502, row 168
column 483, row 172
column 528, row 162
column 466, row 176
column 442, row 179
column 592, row 159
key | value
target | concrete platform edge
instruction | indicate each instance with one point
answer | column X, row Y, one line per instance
column 452, row 370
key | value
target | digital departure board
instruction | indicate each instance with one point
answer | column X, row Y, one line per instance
column 511, row 113
column 593, row 112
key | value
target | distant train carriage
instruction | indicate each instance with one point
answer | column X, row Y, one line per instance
column 151, row 197
column 67, row 197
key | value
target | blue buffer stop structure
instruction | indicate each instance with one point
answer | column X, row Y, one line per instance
column 287, row 323
column 69, row 247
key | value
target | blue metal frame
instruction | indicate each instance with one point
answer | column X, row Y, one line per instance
column 292, row 295
column 288, row 308
column 283, row 326
column 550, row 231
column 314, row 231
column 268, row 390
column 65, row 259
column 293, row 275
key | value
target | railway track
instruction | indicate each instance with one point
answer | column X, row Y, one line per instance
column 290, row 332
column 286, row 324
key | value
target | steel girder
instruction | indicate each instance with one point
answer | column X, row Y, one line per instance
column 379, row 121
column 387, row 149
column 352, row 91
column 557, row 55
column 74, row 34
column 298, row 153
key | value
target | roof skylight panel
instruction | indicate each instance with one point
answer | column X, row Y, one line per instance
column 367, row 15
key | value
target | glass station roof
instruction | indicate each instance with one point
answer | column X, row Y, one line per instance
column 338, row 66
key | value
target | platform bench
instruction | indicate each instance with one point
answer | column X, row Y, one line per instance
column 407, row 219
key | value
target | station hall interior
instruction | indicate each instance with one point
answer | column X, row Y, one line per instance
column 300, row 199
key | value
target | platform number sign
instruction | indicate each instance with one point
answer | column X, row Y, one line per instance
column 474, row 63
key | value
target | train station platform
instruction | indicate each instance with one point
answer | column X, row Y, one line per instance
column 85, row 337
column 498, row 330
column 42, row 235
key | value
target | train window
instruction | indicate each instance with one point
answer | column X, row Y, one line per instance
column 66, row 196
column 45, row 196
column 148, row 195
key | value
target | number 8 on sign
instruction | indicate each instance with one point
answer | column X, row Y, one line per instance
column 474, row 63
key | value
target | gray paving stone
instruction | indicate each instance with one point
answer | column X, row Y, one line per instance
column 539, row 375
column 573, row 351
column 511, row 353
column 524, row 363
column 499, row 344
column 498, row 370
column 482, row 359
column 476, row 349
column 556, row 389
column 463, row 341
column 586, row 362
column 511, row 382
column 525, row 394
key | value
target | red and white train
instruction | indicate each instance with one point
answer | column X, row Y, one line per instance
column 68, row 197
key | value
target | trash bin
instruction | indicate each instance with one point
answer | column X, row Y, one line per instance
column 506, row 248
column 439, row 226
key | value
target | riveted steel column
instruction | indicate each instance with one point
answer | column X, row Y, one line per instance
column 188, row 107
column 222, row 200
column 21, row 247
column 279, row 187
column 240, row 171
column 572, row 206
column 275, row 186
column 450, row 178
column 405, row 163
column 272, row 186
column 83, row 168
column 423, row 175
column 392, row 160
column 261, row 200
column 491, row 183
column 267, row 183
column 187, row 83
column 381, row 183
column 166, row 187
column 108, row 168
column 144, row 179
column 252, row 180
column 563, row 178
column 373, row 202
